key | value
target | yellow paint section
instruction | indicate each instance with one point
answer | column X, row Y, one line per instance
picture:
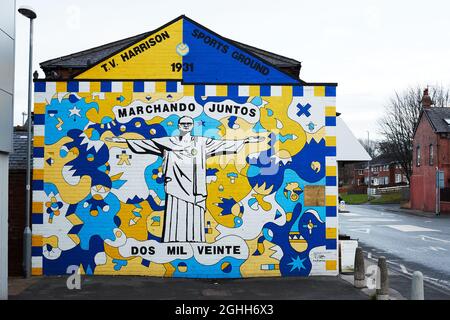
column 74, row 238
column 252, row 266
column 330, row 141
column 330, row 265
column 37, row 240
column 223, row 187
column 133, row 267
column 330, row 111
column 38, row 174
column 74, row 219
column 317, row 136
column 69, row 193
column 331, row 171
column 95, row 86
column 331, row 201
column 37, row 207
column 150, row 58
column 52, row 240
column 254, row 91
column 288, row 126
column 286, row 91
column 39, row 108
column 36, row 271
column 61, row 86
column 319, row 91
column 188, row 89
column 221, row 91
column 38, row 141
column 331, row 233
column 160, row 86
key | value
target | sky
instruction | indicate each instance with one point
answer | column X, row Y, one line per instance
column 370, row 48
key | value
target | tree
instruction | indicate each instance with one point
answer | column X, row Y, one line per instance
column 400, row 119
column 371, row 147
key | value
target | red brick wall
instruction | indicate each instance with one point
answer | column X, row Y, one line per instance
column 16, row 221
column 423, row 190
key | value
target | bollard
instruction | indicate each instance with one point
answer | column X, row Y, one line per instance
column 417, row 286
column 360, row 270
column 383, row 291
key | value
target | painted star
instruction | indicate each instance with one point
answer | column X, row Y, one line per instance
column 74, row 112
column 297, row 264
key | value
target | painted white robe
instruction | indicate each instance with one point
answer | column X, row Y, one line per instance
column 184, row 167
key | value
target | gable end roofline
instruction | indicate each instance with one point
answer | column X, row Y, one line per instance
column 260, row 54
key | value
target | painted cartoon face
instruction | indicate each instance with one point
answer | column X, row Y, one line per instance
column 185, row 124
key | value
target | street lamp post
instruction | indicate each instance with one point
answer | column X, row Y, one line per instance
column 368, row 168
column 30, row 14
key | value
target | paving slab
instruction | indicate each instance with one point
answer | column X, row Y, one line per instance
column 153, row 288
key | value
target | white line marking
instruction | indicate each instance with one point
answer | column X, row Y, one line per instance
column 404, row 270
column 372, row 220
column 437, row 249
column 409, row 228
column 361, row 230
column 424, row 238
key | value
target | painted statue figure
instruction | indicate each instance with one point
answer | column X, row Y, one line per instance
column 184, row 167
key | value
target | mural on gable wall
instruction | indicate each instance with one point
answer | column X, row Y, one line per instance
column 166, row 178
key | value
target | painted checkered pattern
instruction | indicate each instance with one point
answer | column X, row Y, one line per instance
column 45, row 91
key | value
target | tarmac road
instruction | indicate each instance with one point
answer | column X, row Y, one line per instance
column 409, row 242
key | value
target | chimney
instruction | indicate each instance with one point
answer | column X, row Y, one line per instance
column 426, row 100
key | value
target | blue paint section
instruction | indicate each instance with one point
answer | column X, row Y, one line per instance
column 264, row 91
column 331, row 181
column 36, row 251
column 40, row 86
column 39, row 119
column 37, row 218
column 231, row 64
column 105, row 86
column 38, row 152
column 330, row 91
column 331, row 211
column 331, row 151
column 331, row 244
column 233, row 91
column 73, row 86
column 330, row 121
column 171, row 86
column 76, row 256
column 199, row 90
column 226, row 268
column 38, row 185
column 138, row 86
column 297, row 91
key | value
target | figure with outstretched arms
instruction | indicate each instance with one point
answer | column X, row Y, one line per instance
column 184, row 167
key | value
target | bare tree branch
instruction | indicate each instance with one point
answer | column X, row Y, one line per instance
column 400, row 119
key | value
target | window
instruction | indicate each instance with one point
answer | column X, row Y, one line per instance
column 398, row 178
column 431, row 155
column 418, row 156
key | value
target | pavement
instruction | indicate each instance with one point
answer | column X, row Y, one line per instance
column 410, row 241
column 153, row 288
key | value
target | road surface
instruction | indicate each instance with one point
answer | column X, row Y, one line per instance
column 409, row 242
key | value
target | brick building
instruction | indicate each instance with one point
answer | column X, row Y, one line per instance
column 431, row 152
column 16, row 200
column 384, row 172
